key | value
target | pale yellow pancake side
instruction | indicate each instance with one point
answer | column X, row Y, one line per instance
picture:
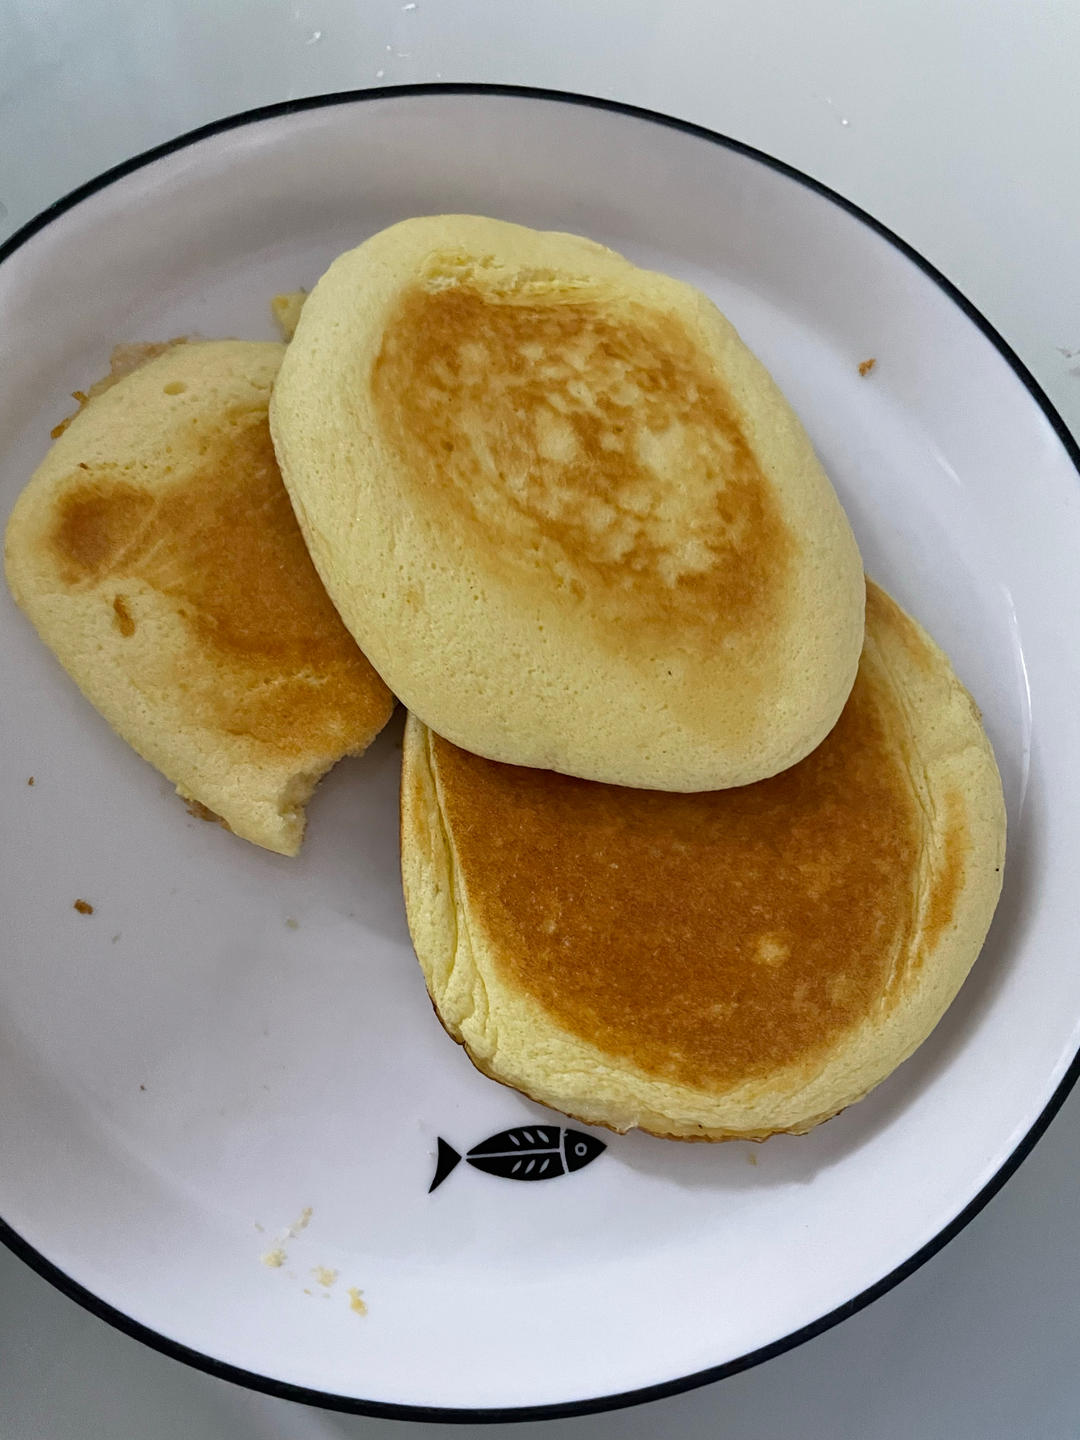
column 566, row 513
column 156, row 552
column 719, row 965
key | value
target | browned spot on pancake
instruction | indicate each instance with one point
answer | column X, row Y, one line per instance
column 94, row 526
column 707, row 938
column 948, row 872
column 122, row 617
column 269, row 657
column 598, row 447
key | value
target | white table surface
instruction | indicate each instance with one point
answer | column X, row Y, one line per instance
column 957, row 123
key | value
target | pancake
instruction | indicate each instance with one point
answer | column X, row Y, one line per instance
column 156, row 552
column 723, row 965
column 566, row 513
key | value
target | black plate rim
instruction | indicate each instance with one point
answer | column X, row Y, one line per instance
column 327, row 1400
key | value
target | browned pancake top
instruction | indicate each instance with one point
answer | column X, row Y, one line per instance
column 599, row 449
column 708, row 938
column 268, row 656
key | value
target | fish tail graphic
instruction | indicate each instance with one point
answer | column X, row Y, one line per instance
column 445, row 1161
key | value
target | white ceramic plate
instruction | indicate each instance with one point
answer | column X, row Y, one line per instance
column 235, row 1051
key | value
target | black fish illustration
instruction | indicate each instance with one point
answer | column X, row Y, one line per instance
column 529, row 1152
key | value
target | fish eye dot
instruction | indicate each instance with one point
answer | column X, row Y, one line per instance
column 579, row 1148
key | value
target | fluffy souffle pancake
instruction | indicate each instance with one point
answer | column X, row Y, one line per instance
column 566, row 513
column 157, row 554
column 723, row 965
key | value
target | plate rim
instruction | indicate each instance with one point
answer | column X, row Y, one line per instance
column 329, row 1400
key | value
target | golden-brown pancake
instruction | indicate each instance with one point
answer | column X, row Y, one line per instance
column 717, row 965
column 566, row 513
column 157, row 554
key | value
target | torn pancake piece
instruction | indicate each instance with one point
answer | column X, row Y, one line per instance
column 156, row 552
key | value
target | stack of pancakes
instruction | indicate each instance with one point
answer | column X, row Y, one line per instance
column 700, row 832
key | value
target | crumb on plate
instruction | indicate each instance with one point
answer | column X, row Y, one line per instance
column 198, row 811
column 302, row 1221
column 286, row 311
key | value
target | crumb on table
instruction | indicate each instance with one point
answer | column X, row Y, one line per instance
column 84, row 907
column 324, row 1275
column 275, row 1258
column 865, row 366
column 31, row 780
column 356, row 1303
